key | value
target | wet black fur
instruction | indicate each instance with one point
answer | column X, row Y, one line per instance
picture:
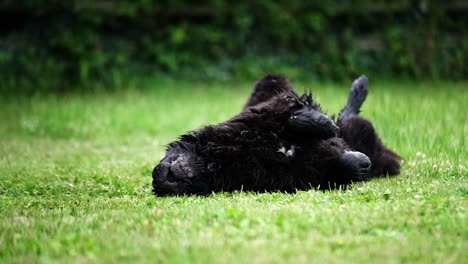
column 279, row 142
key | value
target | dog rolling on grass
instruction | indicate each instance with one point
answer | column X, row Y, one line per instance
column 279, row 142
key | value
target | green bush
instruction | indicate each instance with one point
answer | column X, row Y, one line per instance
column 64, row 45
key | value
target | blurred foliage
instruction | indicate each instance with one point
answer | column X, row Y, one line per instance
column 52, row 45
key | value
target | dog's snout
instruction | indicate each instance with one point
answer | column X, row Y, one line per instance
column 181, row 169
column 171, row 171
column 161, row 171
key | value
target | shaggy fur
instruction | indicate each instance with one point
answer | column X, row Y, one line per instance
column 279, row 142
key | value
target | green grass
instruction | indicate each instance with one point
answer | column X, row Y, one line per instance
column 75, row 183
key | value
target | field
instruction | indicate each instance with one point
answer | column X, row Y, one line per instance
column 75, row 182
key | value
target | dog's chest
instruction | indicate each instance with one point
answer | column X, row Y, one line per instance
column 287, row 150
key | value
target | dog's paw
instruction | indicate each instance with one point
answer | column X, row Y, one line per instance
column 307, row 121
column 357, row 164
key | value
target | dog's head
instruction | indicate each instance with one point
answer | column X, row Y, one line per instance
column 181, row 171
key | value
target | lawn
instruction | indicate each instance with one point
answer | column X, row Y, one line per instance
column 75, row 182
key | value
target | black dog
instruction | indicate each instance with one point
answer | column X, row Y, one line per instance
column 279, row 142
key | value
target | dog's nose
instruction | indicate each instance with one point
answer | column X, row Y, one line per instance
column 180, row 168
column 155, row 172
column 161, row 171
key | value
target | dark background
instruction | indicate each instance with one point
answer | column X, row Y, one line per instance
column 57, row 46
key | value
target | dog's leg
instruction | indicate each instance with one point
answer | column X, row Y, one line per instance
column 357, row 96
column 360, row 134
column 305, row 121
column 312, row 124
column 268, row 87
column 335, row 164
